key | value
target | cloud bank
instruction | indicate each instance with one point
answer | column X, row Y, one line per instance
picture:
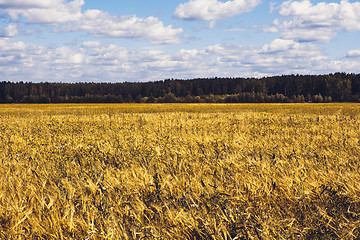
column 94, row 61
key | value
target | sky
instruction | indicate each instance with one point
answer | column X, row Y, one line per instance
column 142, row 40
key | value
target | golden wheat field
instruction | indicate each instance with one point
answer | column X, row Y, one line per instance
column 180, row 171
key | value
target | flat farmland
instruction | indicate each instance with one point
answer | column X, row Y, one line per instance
column 180, row 171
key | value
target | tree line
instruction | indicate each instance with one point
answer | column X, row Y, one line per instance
column 335, row 87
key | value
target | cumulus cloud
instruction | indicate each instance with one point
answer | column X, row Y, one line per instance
column 278, row 57
column 317, row 23
column 353, row 53
column 208, row 10
column 43, row 12
column 7, row 45
column 95, row 61
column 9, row 31
column 23, row 4
column 67, row 16
column 102, row 24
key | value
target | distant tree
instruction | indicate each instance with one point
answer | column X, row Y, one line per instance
column 318, row 98
column 338, row 87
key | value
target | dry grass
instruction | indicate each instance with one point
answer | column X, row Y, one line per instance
column 250, row 171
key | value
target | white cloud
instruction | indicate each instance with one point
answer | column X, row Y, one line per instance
column 208, row 10
column 344, row 66
column 353, row 53
column 9, row 31
column 44, row 12
column 278, row 57
column 319, row 22
column 23, row 4
column 67, row 16
column 6, row 45
column 291, row 49
column 311, row 34
column 102, row 24
column 91, row 44
column 270, row 29
column 94, row 61
column 212, row 24
column 280, row 45
column 273, row 28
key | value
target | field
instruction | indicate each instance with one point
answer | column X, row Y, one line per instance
column 180, row 171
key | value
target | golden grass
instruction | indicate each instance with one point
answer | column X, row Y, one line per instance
column 180, row 171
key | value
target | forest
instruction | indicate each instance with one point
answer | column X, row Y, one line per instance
column 334, row 87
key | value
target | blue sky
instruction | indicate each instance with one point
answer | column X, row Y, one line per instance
column 141, row 40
